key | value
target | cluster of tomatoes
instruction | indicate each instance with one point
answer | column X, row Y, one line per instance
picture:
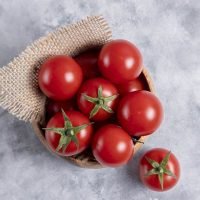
column 99, row 99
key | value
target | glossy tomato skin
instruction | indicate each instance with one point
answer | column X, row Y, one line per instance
column 112, row 146
column 60, row 77
column 152, row 181
column 84, row 136
column 98, row 124
column 88, row 62
column 120, row 61
column 90, row 88
column 132, row 86
column 53, row 107
column 140, row 113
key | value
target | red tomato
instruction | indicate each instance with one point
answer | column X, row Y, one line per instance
column 159, row 169
column 98, row 124
column 120, row 61
column 112, row 146
column 60, row 77
column 140, row 113
column 132, row 86
column 88, row 62
column 68, row 136
column 97, row 98
column 52, row 106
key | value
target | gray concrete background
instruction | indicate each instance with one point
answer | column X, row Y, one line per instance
column 167, row 33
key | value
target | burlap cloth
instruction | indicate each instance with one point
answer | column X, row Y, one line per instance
column 19, row 92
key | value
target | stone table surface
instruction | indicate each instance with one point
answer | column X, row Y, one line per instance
column 167, row 33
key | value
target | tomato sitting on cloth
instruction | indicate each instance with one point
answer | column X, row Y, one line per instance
column 60, row 77
column 88, row 62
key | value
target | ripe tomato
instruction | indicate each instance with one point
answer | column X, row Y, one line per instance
column 159, row 169
column 60, row 77
column 97, row 98
column 120, row 61
column 52, row 106
column 88, row 62
column 98, row 124
column 140, row 113
column 112, row 146
column 132, row 86
column 68, row 133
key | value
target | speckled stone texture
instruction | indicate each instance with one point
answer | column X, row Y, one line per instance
column 167, row 33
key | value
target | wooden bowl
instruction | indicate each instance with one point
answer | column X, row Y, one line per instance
column 86, row 159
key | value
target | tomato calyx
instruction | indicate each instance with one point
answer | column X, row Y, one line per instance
column 100, row 102
column 160, row 169
column 67, row 133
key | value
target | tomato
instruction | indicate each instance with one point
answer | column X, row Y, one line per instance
column 140, row 113
column 88, row 62
column 60, row 77
column 132, row 86
column 98, row 124
column 97, row 98
column 52, row 106
column 159, row 169
column 120, row 61
column 112, row 146
column 68, row 133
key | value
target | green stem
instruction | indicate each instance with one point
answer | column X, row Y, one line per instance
column 160, row 169
column 100, row 102
column 67, row 133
